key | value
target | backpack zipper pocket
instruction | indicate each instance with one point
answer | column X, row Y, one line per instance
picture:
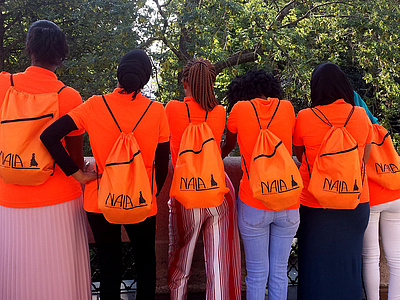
column 27, row 119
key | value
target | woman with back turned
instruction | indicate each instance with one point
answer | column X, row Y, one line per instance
column 255, row 103
column 217, row 223
column 330, row 240
column 104, row 117
column 43, row 239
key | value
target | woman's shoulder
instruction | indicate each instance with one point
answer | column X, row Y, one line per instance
column 219, row 109
column 173, row 105
column 286, row 103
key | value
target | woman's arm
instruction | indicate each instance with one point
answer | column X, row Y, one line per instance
column 298, row 151
column 51, row 138
column 229, row 144
column 161, row 164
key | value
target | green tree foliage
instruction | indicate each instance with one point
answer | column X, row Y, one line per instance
column 99, row 32
column 289, row 38
column 286, row 37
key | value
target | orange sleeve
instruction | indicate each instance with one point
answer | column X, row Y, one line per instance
column 163, row 126
column 69, row 99
column 297, row 139
column 231, row 124
column 79, row 113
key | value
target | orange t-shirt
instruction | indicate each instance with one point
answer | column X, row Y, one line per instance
column 243, row 121
column 178, row 121
column 58, row 188
column 94, row 116
column 380, row 195
column 310, row 131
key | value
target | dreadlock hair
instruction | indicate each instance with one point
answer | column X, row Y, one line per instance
column 200, row 76
column 254, row 84
column 47, row 43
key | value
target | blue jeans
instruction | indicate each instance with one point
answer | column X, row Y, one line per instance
column 267, row 238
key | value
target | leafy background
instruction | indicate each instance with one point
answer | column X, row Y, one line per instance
column 288, row 38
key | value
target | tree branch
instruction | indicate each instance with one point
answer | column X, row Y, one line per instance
column 285, row 11
column 311, row 10
column 244, row 56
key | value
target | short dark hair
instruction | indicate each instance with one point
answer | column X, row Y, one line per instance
column 46, row 43
column 254, row 84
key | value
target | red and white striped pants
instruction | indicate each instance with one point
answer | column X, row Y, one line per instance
column 221, row 248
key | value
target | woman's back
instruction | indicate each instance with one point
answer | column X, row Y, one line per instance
column 94, row 116
column 58, row 188
column 310, row 131
column 178, row 121
column 243, row 121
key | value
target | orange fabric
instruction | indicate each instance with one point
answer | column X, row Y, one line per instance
column 310, row 131
column 24, row 159
column 124, row 193
column 380, row 195
column 243, row 121
column 58, row 188
column 178, row 121
column 94, row 116
column 383, row 165
column 336, row 179
column 199, row 177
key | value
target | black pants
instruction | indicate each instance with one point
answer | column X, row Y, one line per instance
column 108, row 241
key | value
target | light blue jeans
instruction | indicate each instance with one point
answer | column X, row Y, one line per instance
column 267, row 238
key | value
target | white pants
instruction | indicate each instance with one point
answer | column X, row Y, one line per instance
column 387, row 216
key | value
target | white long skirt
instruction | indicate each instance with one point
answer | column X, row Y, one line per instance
column 44, row 253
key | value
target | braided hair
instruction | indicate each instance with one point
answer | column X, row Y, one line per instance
column 200, row 76
column 254, row 84
column 46, row 43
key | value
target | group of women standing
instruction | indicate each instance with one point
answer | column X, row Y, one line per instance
column 43, row 243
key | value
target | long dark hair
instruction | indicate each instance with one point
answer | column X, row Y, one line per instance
column 328, row 84
column 46, row 43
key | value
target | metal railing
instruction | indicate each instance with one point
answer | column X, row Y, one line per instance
column 129, row 273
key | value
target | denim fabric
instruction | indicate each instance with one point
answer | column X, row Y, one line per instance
column 267, row 239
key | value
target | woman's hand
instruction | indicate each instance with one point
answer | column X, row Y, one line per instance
column 84, row 177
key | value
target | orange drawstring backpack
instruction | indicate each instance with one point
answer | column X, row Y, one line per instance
column 383, row 165
column 274, row 178
column 337, row 177
column 24, row 160
column 124, row 191
column 199, row 177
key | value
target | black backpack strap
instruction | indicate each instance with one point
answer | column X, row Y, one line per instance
column 187, row 108
column 255, row 110
column 348, row 118
column 115, row 120
column 325, row 120
column 258, row 119
column 61, row 89
column 276, row 109
column 11, row 79
column 308, row 166
column 151, row 102
column 245, row 167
